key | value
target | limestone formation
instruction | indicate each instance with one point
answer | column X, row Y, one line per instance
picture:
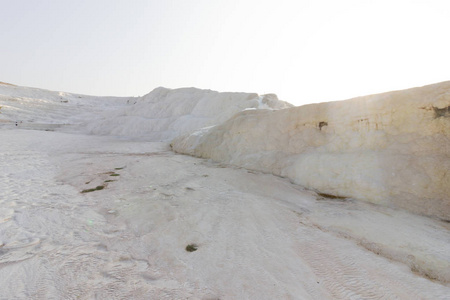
column 390, row 149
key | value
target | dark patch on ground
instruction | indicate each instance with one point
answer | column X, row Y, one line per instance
column 322, row 124
column 329, row 196
column 98, row 188
column 191, row 248
column 441, row 112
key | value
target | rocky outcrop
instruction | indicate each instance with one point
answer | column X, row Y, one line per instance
column 391, row 149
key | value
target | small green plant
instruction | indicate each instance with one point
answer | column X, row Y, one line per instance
column 98, row 188
column 114, row 174
column 119, row 168
column 191, row 248
column 109, row 180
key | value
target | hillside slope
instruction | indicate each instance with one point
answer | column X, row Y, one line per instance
column 164, row 114
column 161, row 115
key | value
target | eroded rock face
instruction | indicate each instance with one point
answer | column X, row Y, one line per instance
column 391, row 148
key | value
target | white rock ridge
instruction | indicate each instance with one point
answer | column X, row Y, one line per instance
column 391, row 149
column 164, row 113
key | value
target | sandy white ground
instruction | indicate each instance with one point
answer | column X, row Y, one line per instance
column 258, row 236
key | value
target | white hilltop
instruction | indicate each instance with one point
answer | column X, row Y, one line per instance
column 95, row 203
column 164, row 113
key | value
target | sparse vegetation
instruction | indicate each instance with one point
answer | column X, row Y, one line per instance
column 191, row 248
column 98, row 188
column 101, row 187
column 329, row 196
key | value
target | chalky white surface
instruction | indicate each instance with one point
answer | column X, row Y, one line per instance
column 258, row 236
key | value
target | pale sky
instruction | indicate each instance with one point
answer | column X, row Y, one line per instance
column 303, row 51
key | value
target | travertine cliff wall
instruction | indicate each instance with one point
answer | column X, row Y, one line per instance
column 391, row 149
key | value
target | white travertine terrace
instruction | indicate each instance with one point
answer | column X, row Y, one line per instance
column 391, row 149
column 68, row 230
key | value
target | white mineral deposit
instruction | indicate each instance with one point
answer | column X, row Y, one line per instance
column 195, row 194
